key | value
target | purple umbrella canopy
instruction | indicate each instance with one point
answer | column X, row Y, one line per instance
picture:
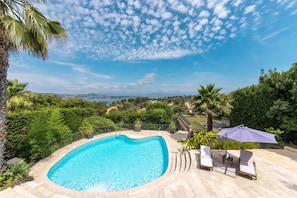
column 242, row 133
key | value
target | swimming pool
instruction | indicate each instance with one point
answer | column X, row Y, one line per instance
column 112, row 164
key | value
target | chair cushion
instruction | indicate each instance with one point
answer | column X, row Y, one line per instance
column 247, row 167
column 246, row 156
column 205, row 156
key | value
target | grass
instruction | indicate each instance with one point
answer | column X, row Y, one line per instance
column 195, row 122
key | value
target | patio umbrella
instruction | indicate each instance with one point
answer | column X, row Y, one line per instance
column 242, row 133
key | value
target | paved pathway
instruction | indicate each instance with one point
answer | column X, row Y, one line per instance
column 277, row 176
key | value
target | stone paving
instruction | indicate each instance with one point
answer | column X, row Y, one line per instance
column 277, row 176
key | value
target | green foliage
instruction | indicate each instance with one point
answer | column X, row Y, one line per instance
column 211, row 102
column 234, row 145
column 158, row 112
column 52, row 125
column 18, row 128
column 91, row 124
column 15, row 174
column 15, row 88
column 73, row 117
column 276, row 132
column 271, row 103
column 39, row 137
column 46, row 100
column 195, row 122
column 47, row 134
column 59, row 132
column 201, row 138
column 137, row 125
column 172, row 126
column 75, row 103
column 250, row 105
column 159, row 105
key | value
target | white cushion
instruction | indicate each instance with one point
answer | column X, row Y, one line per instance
column 247, row 162
column 205, row 156
column 246, row 156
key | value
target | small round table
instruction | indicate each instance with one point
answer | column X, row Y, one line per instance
column 227, row 158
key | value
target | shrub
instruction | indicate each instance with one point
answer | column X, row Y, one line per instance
column 91, row 124
column 15, row 174
column 202, row 138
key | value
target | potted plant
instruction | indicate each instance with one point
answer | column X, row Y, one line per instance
column 137, row 125
column 172, row 127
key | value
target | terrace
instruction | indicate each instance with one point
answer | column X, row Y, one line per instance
column 276, row 168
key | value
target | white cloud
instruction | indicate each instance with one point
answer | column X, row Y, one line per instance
column 250, row 9
column 204, row 13
column 290, row 5
column 147, row 79
column 236, row 3
column 196, row 3
column 81, row 69
column 221, row 11
column 294, row 12
column 133, row 29
column 166, row 15
column 275, row 33
column 38, row 81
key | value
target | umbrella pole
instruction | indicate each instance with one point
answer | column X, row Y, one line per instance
column 226, row 155
column 226, row 144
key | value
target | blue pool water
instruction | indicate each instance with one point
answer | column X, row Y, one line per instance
column 112, row 164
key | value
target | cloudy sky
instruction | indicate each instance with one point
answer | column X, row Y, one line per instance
column 168, row 47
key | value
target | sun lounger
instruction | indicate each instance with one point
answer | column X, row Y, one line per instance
column 247, row 165
column 205, row 157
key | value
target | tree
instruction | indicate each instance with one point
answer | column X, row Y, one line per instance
column 15, row 88
column 22, row 27
column 17, row 98
column 211, row 101
column 19, row 103
column 250, row 106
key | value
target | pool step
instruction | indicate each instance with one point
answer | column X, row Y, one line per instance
column 180, row 162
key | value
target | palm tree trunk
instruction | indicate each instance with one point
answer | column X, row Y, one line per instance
column 4, row 47
column 209, row 122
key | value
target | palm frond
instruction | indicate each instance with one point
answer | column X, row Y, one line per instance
column 56, row 29
column 14, row 30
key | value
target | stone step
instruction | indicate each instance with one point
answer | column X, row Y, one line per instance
column 24, row 193
column 180, row 162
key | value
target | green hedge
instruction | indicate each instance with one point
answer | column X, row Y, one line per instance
column 92, row 125
column 36, row 134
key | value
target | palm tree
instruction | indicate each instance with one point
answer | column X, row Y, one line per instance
column 15, row 88
column 22, row 27
column 211, row 101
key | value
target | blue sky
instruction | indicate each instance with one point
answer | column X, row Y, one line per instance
column 163, row 47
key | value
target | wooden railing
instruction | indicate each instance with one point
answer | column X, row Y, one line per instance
column 183, row 122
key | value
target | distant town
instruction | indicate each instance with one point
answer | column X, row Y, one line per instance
column 107, row 98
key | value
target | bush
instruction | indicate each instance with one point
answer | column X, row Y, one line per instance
column 234, row 145
column 202, row 138
column 91, row 124
column 73, row 117
column 15, row 174
column 53, row 125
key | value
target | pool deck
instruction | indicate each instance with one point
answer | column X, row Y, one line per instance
column 276, row 168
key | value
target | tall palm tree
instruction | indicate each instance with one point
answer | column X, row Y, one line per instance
column 22, row 27
column 211, row 101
